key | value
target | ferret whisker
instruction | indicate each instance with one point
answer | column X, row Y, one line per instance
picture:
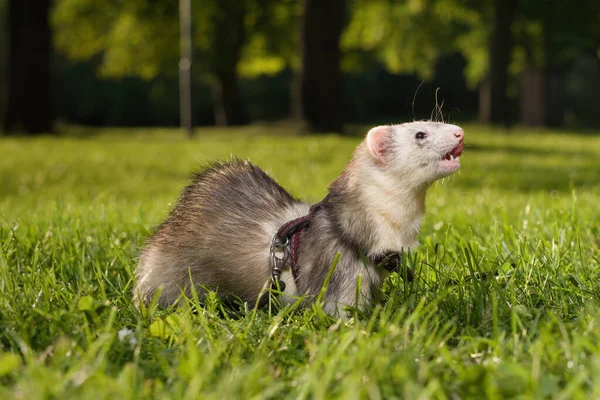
column 440, row 107
column 432, row 116
column 415, row 99
column 450, row 113
column 437, row 108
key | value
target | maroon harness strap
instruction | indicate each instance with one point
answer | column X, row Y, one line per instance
column 291, row 234
column 293, row 231
column 291, row 227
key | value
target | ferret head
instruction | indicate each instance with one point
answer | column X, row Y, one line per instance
column 418, row 153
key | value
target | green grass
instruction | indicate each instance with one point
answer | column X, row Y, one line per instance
column 75, row 210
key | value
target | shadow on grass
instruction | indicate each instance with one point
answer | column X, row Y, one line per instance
column 529, row 179
column 531, row 169
column 520, row 150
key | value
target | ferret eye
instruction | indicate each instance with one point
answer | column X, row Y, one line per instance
column 420, row 135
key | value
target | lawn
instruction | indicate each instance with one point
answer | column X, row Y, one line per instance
column 524, row 209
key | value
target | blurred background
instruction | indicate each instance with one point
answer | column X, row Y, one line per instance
column 325, row 63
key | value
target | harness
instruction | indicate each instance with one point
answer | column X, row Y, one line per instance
column 286, row 244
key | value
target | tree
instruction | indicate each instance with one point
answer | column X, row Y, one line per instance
column 242, row 38
column 410, row 37
column 29, row 105
column 550, row 38
column 3, row 61
column 229, row 37
column 321, row 77
column 499, row 60
column 138, row 38
column 545, row 37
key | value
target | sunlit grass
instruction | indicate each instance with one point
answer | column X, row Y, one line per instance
column 524, row 209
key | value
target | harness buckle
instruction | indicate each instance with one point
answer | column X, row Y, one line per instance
column 280, row 253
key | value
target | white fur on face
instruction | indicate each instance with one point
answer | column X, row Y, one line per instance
column 418, row 161
column 394, row 170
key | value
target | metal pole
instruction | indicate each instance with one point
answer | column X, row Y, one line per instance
column 185, row 66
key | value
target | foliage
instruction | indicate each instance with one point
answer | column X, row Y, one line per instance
column 133, row 37
column 75, row 210
column 141, row 38
column 3, row 56
column 273, row 42
column 559, row 32
column 410, row 36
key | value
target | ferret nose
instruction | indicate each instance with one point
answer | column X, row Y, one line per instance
column 460, row 134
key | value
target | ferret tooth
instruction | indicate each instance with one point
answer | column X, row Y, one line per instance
column 451, row 157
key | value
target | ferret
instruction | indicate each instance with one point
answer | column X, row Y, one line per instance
column 219, row 234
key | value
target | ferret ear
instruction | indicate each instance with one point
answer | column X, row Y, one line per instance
column 378, row 141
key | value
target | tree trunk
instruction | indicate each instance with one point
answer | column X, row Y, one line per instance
column 554, row 90
column 230, row 36
column 500, row 54
column 3, row 62
column 296, row 97
column 226, row 99
column 29, row 105
column 321, row 81
column 296, row 113
column 484, row 101
column 532, row 96
column 554, row 85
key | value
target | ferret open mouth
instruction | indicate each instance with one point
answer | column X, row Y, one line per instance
column 455, row 153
